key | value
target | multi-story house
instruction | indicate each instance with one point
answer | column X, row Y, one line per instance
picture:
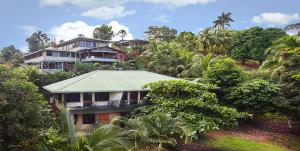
column 99, row 96
column 64, row 55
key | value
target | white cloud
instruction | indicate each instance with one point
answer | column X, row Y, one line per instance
column 116, row 27
column 272, row 19
column 162, row 18
column 24, row 49
column 107, row 13
column 71, row 30
column 28, row 30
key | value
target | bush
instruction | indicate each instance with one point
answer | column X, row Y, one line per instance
column 256, row 95
column 224, row 73
column 194, row 102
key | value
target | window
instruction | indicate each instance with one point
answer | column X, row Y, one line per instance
column 73, row 54
column 125, row 96
column 133, row 97
column 49, row 53
column 64, row 54
column 55, row 54
column 102, row 96
column 88, row 118
column 72, row 97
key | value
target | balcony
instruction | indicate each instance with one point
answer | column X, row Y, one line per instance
column 98, row 59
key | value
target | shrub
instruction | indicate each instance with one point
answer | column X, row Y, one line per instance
column 255, row 95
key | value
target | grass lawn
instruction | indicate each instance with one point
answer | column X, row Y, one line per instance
column 235, row 143
column 247, row 138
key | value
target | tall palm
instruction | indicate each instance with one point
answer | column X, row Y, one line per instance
column 134, row 128
column 105, row 138
column 199, row 65
column 122, row 33
column 223, row 20
column 208, row 40
column 41, row 37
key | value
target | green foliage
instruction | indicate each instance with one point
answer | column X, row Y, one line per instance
column 104, row 138
column 224, row 73
column 165, row 58
column 283, row 64
column 255, row 95
column 104, row 32
column 11, row 55
column 23, row 112
column 223, row 20
column 196, row 103
column 37, row 40
column 253, row 42
column 162, row 33
column 188, row 40
column 158, row 128
column 214, row 41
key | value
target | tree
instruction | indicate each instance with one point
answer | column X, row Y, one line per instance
column 254, row 96
column 37, row 40
column 166, row 58
column 105, row 137
column 104, row 32
column 252, row 43
column 23, row 112
column 122, row 33
column 134, row 128
column 157, row 128
column 223, row 20
column 195, row 103
column 224, row 73
column 11, row 55
column 188, row 40
column 198, row 67
column 211, row 40
column 162, row 33
column 283, row 64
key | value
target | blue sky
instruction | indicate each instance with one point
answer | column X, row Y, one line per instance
column 64, row 19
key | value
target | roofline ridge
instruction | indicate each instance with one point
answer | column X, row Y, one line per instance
column 87, row 75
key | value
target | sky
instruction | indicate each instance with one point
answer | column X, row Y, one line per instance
column 65, row 19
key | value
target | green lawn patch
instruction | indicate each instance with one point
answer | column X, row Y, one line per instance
column 235, row 143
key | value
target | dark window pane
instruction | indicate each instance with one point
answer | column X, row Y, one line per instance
column 125, row 96
column 72, row 97
column 88, row 118
column 49, row 53
column 102, row 96
column 133, row 95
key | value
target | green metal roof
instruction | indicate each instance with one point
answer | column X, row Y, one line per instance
column 107, row 81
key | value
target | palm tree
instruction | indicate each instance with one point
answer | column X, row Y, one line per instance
column 41, row 37
column 199, row 65
column 208, row 40
column 222, row 21
column 162, row 128
column 122, row 34
column 134, row 127
column 104, row 138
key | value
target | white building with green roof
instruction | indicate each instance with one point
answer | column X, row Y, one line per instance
column 100, row 95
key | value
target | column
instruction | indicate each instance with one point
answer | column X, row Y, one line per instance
column 81, row 98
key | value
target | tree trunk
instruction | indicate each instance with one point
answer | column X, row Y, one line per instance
column 135, row 144
column 260, row 62
column 243, row 61
column 160, row 147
